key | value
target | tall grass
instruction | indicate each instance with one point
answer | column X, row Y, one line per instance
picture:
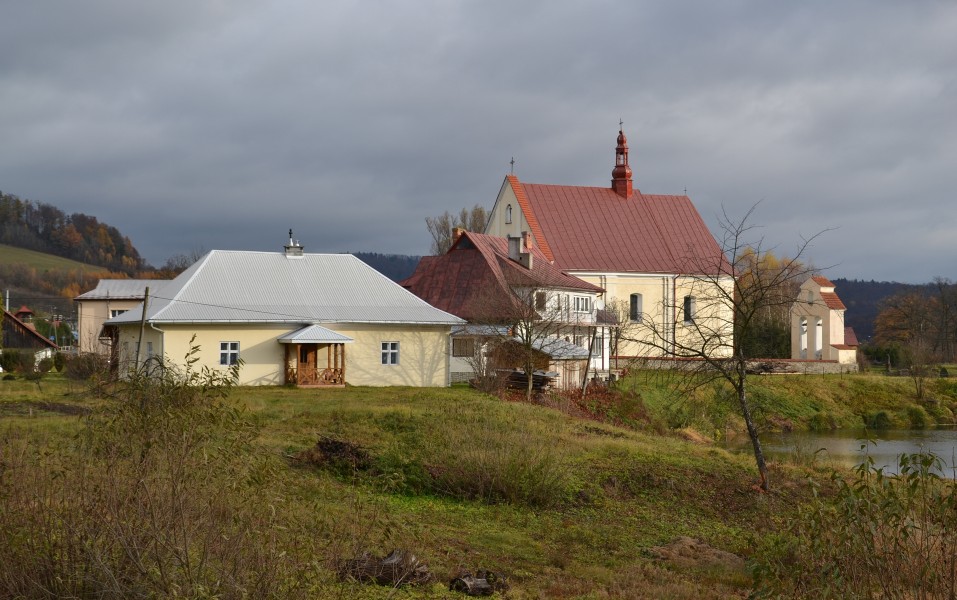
column 878, row 536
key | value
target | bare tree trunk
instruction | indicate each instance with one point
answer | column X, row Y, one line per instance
column 753, row 434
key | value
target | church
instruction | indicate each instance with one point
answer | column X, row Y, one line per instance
column 664, row 275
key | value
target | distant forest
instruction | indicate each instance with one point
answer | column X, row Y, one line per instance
column 394, row 266
column 864, row 299
column 46, row 228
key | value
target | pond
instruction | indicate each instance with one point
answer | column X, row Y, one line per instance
column 843, row 447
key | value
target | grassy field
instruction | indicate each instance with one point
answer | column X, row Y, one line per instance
column 564, row 507
column 10, row 255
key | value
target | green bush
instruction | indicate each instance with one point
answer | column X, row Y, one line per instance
column 879, row 420
column 822, row 421
column 45, row 365
column 59, row 362
column 878, row 536
column 10, row 360
column 917, row 417
column 84, row 366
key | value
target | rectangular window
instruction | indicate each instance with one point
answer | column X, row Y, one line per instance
column 689, row 309
column 540, row 299
column 635, row 308
column 390, row 353
column 116, row 313
column 149, row 350
column 228, row 353
column 463, row 347
column 598, row 346
column 582, row 304
column 579, row 340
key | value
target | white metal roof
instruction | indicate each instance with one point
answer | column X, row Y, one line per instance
column 123, row 289
column 228, row 286
column 315, row 334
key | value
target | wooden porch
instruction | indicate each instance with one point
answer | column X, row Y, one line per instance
column 303, row 368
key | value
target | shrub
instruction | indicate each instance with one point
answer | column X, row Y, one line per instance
column 10, row 360
column 879, row 536
column 878, row 420
column 917, row 417
column 822, row 421
column 162, row 495
column 84, row 366
column 59, row 362
column 27, row 362
column 45, row 365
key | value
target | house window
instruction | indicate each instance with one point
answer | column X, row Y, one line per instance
column 508, row 214
column 463, row 347
column 582, row 304
column 116, row 313
column 390, row 353
column 598, row 346
column 228, row 353
column 689, row 309
column 635, row 308
column 540, row 300
column 149, row 350
column 579, row 340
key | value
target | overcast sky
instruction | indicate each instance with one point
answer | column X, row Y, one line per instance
column 197, row 125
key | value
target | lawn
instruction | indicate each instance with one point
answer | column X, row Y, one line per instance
column 564, row 507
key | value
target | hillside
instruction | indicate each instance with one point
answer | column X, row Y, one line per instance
column 41, row 261
column 394, row 266
column 46, row 228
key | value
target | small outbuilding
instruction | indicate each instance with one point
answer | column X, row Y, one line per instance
column 818, row 331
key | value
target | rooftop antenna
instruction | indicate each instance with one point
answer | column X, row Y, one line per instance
column 512, row 162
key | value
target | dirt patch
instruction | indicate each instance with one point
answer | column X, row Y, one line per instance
column 28, row 407
column 689, row 552
column 336, row 454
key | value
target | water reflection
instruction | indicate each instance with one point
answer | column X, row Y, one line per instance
column 843, row 447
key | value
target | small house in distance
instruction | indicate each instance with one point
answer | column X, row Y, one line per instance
column 110, row 298
column 18, row 333
column 292, row 318
column 817, row 325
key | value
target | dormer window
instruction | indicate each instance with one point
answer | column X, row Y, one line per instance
column 508, row 214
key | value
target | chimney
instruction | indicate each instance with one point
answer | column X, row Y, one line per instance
column 514, row 247
column 456, row 234
column 293, row 248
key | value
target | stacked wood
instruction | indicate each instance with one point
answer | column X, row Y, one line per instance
column 541, row 380
column 398, row 568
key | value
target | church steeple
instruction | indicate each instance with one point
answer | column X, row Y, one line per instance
column 621, row 174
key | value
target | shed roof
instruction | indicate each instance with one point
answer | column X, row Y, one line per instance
column 227, row 286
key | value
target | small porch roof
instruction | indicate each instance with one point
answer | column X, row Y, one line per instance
column 315, row 334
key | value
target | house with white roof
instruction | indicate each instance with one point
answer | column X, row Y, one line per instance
column 292, row 318
column 110, row 298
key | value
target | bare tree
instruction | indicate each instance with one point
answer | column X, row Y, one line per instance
column 727, row 298
column 440, row 227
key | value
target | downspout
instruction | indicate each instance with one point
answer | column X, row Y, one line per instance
column 162, row 333
column 674, row 315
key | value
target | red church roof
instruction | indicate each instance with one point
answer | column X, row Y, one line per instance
column 477, row 264
column 596, row 229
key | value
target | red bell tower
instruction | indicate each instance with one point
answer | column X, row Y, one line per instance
column 621, row 174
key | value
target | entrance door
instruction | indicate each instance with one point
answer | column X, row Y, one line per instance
column 307, row 364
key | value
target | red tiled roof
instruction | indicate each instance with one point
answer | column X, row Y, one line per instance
column 822, row 281
column 850, row 337
column 595, row 229
column 832, row 301
column 477, row 264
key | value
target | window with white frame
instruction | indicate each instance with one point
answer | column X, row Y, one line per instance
column 228, row 353
column 390, row 353
column 635, row 308
column 149, row 350
column 579, row 340
column 508, row 214
column 582, row 304
column 116, row 313
column 598, row 346
column 689, row 309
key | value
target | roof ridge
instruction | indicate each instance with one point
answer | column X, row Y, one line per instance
column 202, row 263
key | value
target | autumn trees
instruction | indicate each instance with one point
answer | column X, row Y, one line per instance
column 46, row 228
